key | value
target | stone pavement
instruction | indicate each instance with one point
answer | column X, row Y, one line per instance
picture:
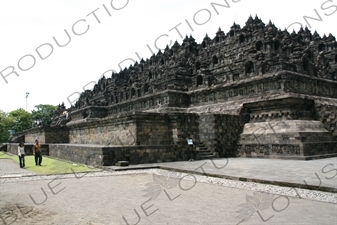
column 9, row 168
column 155, row 196
column 318, row 174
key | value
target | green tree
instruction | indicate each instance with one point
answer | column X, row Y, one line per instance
column 5, row 126
column 44, row 113
column 20, row 120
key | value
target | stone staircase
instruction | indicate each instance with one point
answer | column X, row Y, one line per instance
column 202, row 152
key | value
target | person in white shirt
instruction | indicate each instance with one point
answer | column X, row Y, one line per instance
column 21, row 154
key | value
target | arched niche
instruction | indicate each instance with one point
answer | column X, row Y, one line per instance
column 306, row 65
column 231, row 33
column 133, row 92
column 258, row 46
column 249, row 67
column 197, row 66
column 241, row 38
column 215, row 60
column 276, row 45
column 199, row 80
column 146, row 88
column 321, row 47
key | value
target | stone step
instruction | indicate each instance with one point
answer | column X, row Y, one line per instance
column 205, row 153
column 208, row 156
column 201, row 149
column 201, row 145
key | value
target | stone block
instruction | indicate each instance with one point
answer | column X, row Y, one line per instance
column 122, row 163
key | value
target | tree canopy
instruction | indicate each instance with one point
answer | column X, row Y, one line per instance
column 5, row 124
column 19, row 120
column 44, row 113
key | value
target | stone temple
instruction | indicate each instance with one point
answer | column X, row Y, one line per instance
column 255, row 91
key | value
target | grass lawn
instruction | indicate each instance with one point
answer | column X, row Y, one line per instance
column 49, row 165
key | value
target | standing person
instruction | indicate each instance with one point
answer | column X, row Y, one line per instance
column 21, row 154
column 37, row 153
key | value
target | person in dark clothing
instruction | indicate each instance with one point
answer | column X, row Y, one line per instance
column 21, row 154
column 37, row 153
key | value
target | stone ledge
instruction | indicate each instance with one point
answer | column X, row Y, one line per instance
column 245, row 179
column 311, row 157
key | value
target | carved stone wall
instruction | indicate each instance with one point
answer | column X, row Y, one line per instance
column 141, row 154
column 37, row 133
column 228, row 129
column 207, row 131
column 103, row 132
column 285, row 128
column 327, row 114
column 184, row 126
column 91, row 155
column 199, row 90
column 153, row 129
column 221, row 133
column 132, row 129
column 13, row 148
column 44, row 135
column 221, row 68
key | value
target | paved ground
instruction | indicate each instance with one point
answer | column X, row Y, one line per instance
column 8, row 168
column 314, row 174
column 156, row 196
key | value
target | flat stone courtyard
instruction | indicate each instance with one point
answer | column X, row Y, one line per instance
column 222, row 191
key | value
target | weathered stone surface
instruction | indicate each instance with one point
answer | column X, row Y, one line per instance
column 142, row 154
column 285, row 127
column 43, row 134
column 91, row 155
column 216, row 92
column 13, row 148
column 122, row 163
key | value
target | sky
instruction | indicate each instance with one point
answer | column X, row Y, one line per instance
column 37, row 56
